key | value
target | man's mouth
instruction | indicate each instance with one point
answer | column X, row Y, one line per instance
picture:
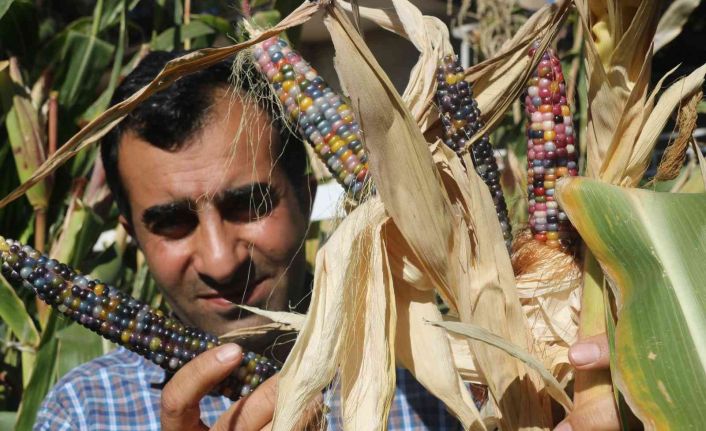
column 228, row 297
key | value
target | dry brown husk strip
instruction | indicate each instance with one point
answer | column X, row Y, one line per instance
column 172, row 71
column 673, row 158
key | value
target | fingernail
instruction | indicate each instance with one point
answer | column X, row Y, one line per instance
column 228, row 353
column 564, row 426
column 584, row 354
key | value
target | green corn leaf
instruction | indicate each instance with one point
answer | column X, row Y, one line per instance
column 76, row 346
column 101, row 104
column 43, row 375
column 651, row 247
column 4, row 6
column 27, row 137
column 166, row 40
column 14, row 314
column 7, row 420
column 85, row 58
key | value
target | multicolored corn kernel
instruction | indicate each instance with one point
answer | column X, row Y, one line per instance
column 551, row 149
column 461, row 120
column 321, row 116
column 121, row 318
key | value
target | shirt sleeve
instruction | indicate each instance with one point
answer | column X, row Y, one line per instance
column 60, row 411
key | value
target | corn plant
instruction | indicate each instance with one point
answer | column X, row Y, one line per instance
column 431, row 230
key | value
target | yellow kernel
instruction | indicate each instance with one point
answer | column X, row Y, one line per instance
column 565, row 111
column 549, row 135
column 305, row 103
column 287, row 85
column 358, row 168
column 348, row 119
column 347, row 155
column 350, row 138
column 548, row 184
column 451, row 79
column 336, row 144
column 278, row 77
column 342, row 108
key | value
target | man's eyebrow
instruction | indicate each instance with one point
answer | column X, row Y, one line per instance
column 243, row 192
column 157, row 213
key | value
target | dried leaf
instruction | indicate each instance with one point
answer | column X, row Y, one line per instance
column 475, row 332
column 672, row 21
column 326, row 334
column 400, row 170
column 416, row 339
column 293, row 320
column 431, row 37
column 487, row 286
column 368, row 362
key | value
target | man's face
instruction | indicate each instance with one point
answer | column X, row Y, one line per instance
column 218, row 224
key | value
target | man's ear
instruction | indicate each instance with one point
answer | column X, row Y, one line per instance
column 129, row 228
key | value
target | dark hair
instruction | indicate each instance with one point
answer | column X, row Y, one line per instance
column 168, row 118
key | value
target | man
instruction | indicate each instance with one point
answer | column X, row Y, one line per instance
column 215, row 192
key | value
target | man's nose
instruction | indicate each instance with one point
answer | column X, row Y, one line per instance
column 219, row 249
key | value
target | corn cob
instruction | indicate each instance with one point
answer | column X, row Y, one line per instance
column 321, row 116
column 461, row 120
column 551, row 150
column 122, row 319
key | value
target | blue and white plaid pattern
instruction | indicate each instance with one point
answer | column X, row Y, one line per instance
column 120, row 392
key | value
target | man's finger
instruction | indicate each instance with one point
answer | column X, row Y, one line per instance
column 251, row 413
column 256, row 411
column 598, row 414
column 181, row 396
column 591, row 353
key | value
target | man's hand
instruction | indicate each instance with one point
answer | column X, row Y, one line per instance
column 181, row 396
column 599, row 414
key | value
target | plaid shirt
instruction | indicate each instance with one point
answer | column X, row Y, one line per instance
column 121, row 391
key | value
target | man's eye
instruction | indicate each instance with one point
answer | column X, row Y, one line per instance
column 174, row 229
column 251, row 207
